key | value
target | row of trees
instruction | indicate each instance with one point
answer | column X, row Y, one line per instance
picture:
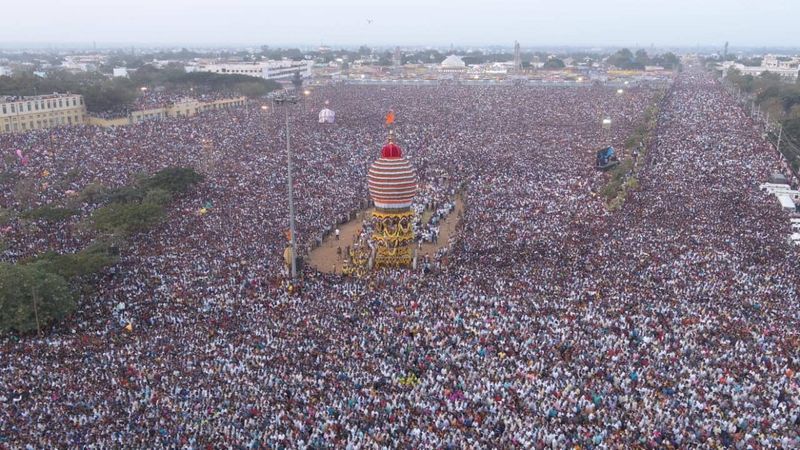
column 103, row 93
column 781, row 99
column 623, row 178
column 41, row 291
column 174, row 77
column 625, row 59
column 100, row 92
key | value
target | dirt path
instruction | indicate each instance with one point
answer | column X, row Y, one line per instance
column 446, row 229
column 325, row 258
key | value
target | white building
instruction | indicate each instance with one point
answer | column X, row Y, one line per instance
column 495, row 68
column 452, row 64
column 82, row 63
column 121, row 72
column 5, row 71
column 268, row 70
column 789, row 69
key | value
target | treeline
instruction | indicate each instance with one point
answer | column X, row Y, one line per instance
column 99, row 92
column 41, row 291
column 781, row 100
column 174, row 77
column 103, row 93
column 627, row 60
column 623, row 178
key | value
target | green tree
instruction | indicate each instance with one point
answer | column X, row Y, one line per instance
column 5, row 216
column 251, row 89
column 25, row 192
column 157, row 196
column 90, row 260
column 122, row 194
column 32, row 298
column 49, row 213
column 110, row 95
column 173, row 179
column 124, row 219
column 792, row 127
column 669, row 61
column 297, row 81
column 641, row 59
column 92, row 193
column 554, row 63
column 621, row 59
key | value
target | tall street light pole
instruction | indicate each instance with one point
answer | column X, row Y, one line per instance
column 306, row 93
column 287, row 100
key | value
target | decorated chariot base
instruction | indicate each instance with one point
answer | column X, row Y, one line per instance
column 351, row 252
column 383, row 236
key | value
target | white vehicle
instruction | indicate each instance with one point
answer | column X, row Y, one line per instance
column 787, row 203
column 778, row 189
column 767, row 186
column 788, row 191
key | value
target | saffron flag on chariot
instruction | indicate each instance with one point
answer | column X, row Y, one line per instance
column 390, row 117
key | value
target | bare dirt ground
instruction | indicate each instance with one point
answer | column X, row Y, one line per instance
column 325, row 258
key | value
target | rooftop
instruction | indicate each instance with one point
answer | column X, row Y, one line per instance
column 20, row 98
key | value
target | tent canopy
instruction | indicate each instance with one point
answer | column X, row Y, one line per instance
column 327, row 116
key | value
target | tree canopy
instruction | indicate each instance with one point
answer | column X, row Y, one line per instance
column 173, row 179
column 781, row 99
column 625, row 59
column 103, row 93
column 42, row 285
column 31, row 297
column 554, row 63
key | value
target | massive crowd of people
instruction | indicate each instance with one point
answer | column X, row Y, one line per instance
column 554, row 323
column 154, row 98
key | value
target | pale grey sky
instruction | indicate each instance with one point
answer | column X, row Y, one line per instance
column 405, row 22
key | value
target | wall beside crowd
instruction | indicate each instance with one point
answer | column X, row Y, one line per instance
column 180, row 107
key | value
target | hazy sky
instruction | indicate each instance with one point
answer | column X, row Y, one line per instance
column 406, row 22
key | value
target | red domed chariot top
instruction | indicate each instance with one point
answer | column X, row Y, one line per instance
column 392, row 179
column 391, row 150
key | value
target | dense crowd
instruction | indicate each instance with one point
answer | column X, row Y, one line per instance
column 554, row 323
column 163, row 98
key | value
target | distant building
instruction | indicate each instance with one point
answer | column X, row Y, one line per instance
column 453, row 64
column 121, row 72
column 268, row 70
column 495, row 68
column 5, row 71
column 82, row 63
column 517, row 57
column 19, row 114
column 788, row 69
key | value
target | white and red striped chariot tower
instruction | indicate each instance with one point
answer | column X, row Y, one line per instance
column 392, row 186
